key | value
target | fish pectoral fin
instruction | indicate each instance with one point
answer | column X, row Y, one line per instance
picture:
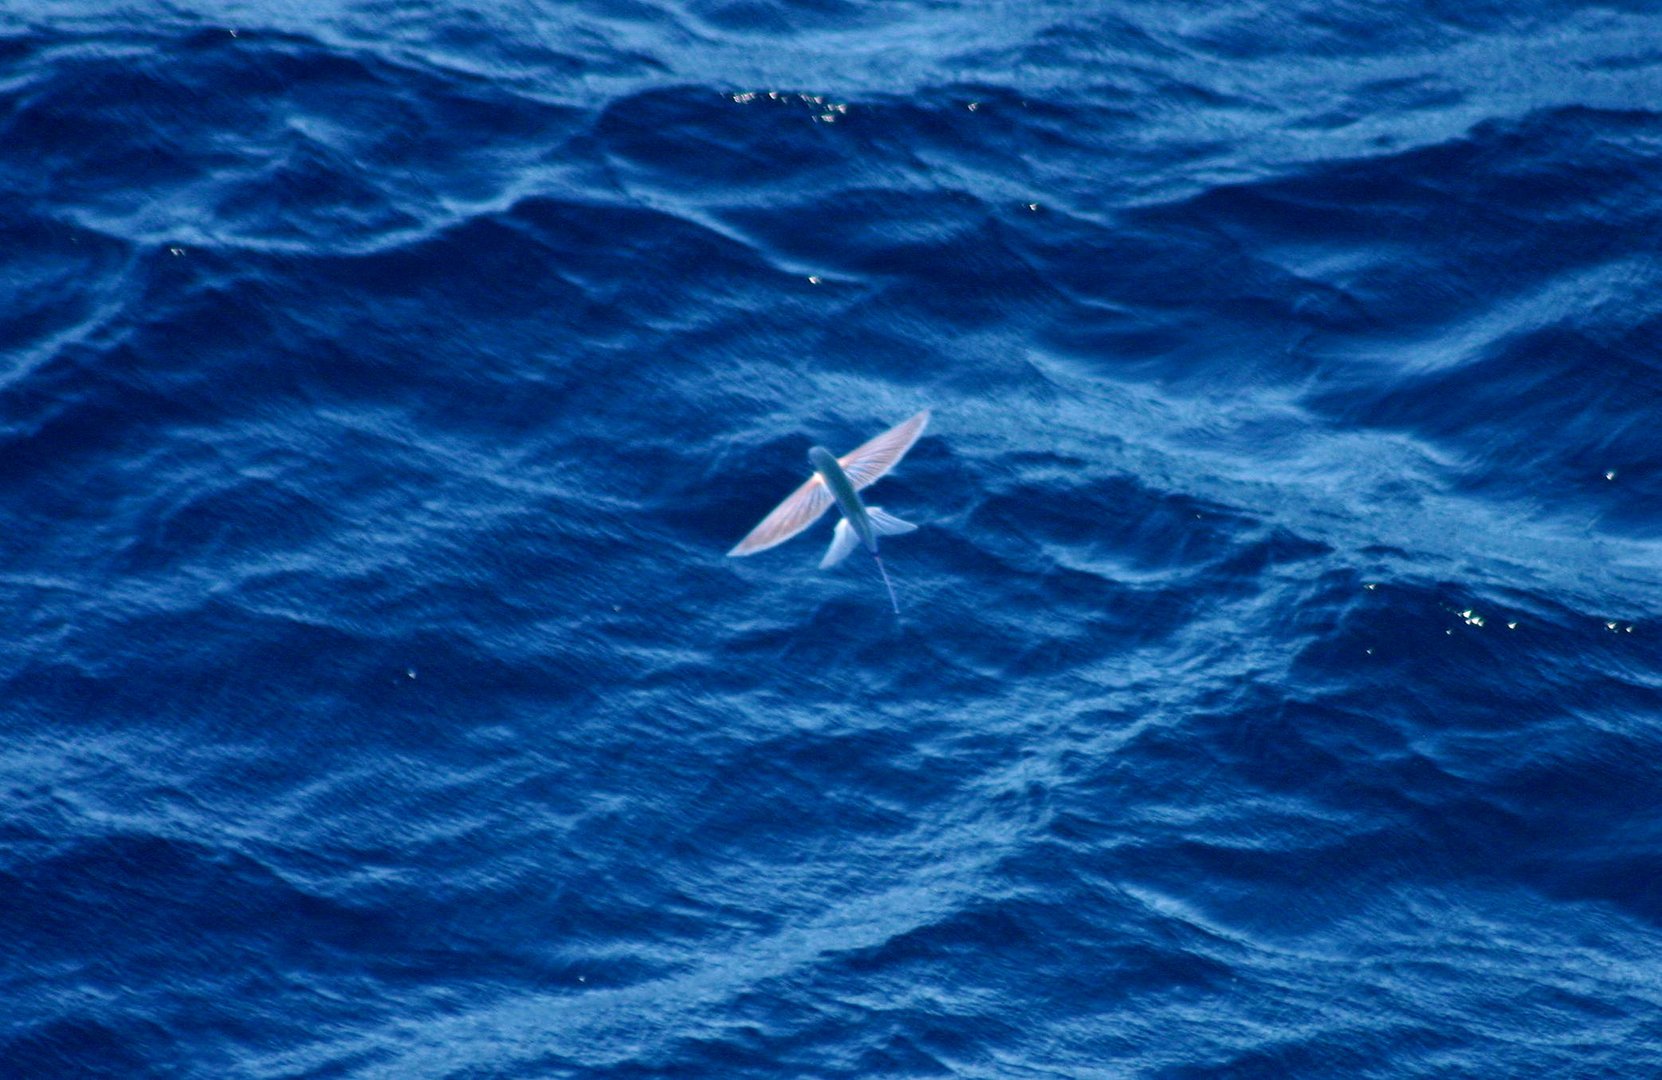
column 887, row 524
column 865, row 463
column 790, row 517
column 843, row 541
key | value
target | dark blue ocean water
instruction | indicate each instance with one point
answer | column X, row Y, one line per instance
column 1279, row 686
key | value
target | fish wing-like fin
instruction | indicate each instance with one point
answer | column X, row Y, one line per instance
column 887, row 524
column 867, row 462
column 843, row 541
column 790, row 517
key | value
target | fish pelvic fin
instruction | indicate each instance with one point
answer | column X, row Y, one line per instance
column 885, row 524
column 843, row 540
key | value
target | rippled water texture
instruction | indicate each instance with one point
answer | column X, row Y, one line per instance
column 1277, row 694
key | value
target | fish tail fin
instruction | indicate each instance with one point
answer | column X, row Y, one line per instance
column 887, row 583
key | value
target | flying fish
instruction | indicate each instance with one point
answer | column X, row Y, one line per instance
column 839, row 480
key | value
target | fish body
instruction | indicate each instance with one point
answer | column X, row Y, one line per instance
column 842, row 490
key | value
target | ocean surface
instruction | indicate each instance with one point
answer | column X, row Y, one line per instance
column 1278, row 689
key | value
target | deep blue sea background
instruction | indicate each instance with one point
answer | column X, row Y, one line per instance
column 1278, row 691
